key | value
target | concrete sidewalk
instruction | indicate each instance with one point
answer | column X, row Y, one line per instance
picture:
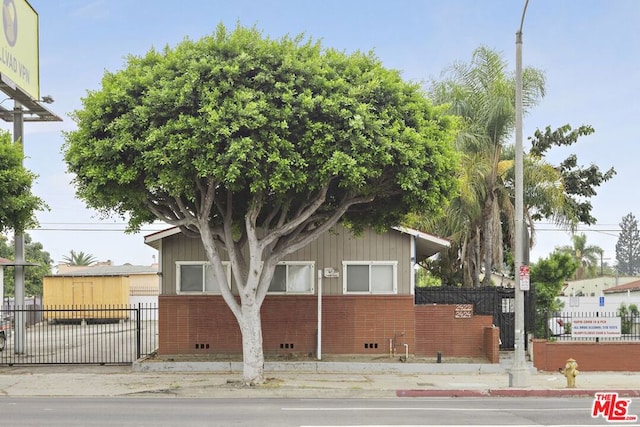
column 300, row 380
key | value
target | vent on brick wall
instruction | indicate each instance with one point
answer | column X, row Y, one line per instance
column 286, row 345
column 202, row 346
column 371, row 345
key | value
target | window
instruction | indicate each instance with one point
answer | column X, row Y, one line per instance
column 198, row 277
column 293, row 277
column 370, row 277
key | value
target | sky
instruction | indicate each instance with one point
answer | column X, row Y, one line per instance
column 588, row 50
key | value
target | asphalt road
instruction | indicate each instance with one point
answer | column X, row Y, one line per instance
column 186, row 412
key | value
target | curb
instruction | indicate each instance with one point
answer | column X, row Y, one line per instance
column 501, row 392
column 323, row 367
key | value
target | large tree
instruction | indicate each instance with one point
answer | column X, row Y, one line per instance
column 258, row 146
column 482, row 92
column 480, row 221
column 628, row 246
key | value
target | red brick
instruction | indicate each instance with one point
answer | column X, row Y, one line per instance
column 591, row 356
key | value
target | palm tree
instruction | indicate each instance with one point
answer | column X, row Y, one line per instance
column 79, row 258
column 587, row 256
column 482, row 93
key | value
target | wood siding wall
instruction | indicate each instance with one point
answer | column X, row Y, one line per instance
column 329, row 250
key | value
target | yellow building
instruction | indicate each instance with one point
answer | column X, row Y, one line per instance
column 99, row 292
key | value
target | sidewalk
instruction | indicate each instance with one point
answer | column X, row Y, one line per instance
column 302, row 380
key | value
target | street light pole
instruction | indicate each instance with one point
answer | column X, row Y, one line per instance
column 519, row 374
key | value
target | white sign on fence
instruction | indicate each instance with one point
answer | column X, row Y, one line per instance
column 596, row 327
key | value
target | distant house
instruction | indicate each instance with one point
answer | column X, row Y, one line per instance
column 631, row 289
column 594, row 287
column 102, row 284
column 367, row 299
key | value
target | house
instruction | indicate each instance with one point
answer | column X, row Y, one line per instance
column 594, row 287
column 631, row 289
column 366, row 298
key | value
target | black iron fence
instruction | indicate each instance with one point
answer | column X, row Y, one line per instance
column 79, row 334
column 592, row 326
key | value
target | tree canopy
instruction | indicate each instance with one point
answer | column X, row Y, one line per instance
column 579, row 182
column 548, row 276
column 34, row 253
column 79, row 258
column 586, row 256
column 482, row 93
column 480, row 220
column 258, row 146
column 628, row 246
column 18, row 202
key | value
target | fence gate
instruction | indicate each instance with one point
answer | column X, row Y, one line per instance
column 80, row 335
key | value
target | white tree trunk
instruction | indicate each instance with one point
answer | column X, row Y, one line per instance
column 253, row 357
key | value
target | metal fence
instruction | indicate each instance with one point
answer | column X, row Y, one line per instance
column 560, row 326
column 80, row 335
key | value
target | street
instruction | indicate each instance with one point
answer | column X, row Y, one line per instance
column 227, row 412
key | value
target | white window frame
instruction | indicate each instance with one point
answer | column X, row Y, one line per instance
column 225, row 264
column 312, row 270
column 393, row 264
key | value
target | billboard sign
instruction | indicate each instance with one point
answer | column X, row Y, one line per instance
column 19, row 46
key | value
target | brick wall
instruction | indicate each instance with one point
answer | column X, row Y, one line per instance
column 437, row 330
column 492, row 344
column 603, row 356
column 350, row 325
column 366, row 324
column 196, row 325
column 363, row 324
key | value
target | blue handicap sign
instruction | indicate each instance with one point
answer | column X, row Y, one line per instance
column 601, row 302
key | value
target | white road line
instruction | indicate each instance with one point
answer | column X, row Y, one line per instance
column 460, row 425
column 441, row 409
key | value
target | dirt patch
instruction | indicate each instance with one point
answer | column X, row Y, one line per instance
column 296, row 357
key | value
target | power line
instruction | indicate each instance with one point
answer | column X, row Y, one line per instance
column 122, row 230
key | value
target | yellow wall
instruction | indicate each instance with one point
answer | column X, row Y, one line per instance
column 75, row 292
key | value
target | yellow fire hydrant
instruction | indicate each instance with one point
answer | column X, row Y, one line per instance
column 570, row 372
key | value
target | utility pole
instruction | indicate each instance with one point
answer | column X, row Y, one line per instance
column 519, row 374
column 18, row 241
column 25, row 92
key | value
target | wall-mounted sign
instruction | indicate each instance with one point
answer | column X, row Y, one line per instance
column 330, row 273
column 464, row 311
column 596, row 327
